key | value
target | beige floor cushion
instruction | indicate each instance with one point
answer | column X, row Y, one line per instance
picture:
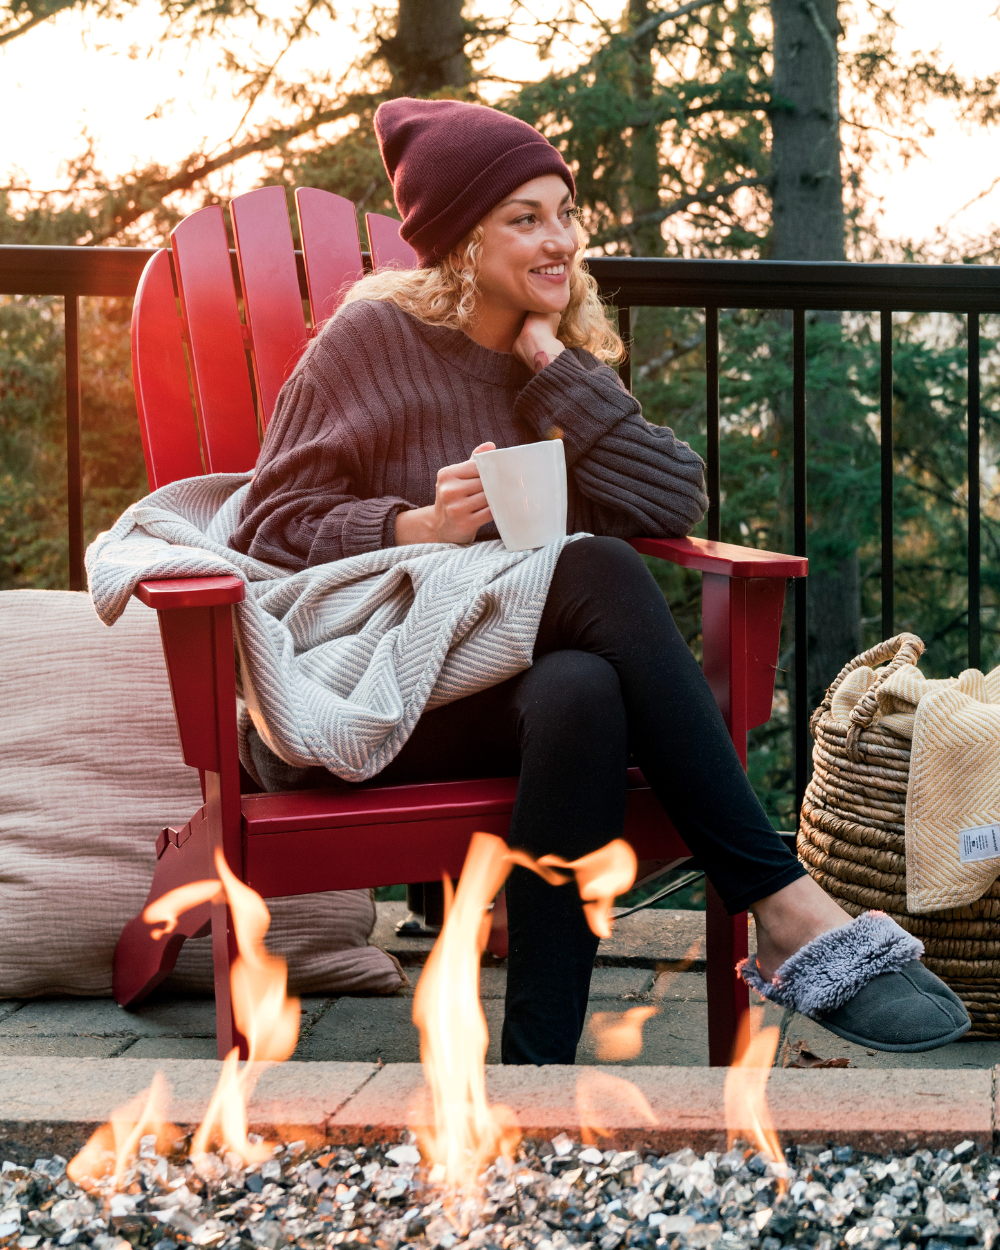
column 90, row 771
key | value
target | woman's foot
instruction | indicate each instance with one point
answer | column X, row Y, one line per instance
column 865, row 982
column 789, row 919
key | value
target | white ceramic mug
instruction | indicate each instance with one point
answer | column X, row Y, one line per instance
column 526, row 490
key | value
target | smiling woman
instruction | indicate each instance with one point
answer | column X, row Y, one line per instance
column 498, row 339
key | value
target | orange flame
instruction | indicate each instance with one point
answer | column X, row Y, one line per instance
column 600, row 877
column 169, row 908
column 113, row 1147
column 747, row 1112
column 263, row 1013
column 467, row 1131
column 618, row 1034
column 603, row 1102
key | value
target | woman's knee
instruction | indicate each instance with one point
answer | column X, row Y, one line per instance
column 606, row 562
column 572, row 692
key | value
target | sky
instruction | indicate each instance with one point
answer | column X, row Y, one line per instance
column 142, row 99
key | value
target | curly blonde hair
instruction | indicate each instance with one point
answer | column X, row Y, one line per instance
column 445, row 295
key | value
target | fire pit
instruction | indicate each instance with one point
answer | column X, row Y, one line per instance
column 552, row 1196
column 469, row 1179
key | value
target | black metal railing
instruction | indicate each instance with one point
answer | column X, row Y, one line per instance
column 790, row 286
column 798, row 287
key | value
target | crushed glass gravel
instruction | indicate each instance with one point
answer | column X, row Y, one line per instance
column 557, row 1195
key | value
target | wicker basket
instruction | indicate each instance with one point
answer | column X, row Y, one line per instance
column 851, row 840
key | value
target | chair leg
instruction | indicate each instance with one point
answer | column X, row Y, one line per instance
column 498, row 943
column 141, row 961
column 728, row 997
column 224, row 953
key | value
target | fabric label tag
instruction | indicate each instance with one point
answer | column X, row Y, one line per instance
column 981, row 842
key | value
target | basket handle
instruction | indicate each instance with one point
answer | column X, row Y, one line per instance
column 903, row 649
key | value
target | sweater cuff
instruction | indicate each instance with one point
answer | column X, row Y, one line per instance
column 371, row 524
column 566, row 400
column 364, row 525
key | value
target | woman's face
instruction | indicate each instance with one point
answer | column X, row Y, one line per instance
column 528, row 249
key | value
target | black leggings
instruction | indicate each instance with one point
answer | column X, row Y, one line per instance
column 612, row 677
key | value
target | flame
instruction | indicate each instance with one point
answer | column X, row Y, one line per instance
column 113, row 1147
column 747, row 1111
column 618, row 1034
column 602, row 1100
column 167, row 909
column 467, row 1132
column 263, row 1013
column 600, row 877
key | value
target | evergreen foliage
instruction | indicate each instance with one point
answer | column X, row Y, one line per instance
column 667, row 122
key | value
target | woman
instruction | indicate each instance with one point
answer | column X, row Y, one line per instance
column 498, row 339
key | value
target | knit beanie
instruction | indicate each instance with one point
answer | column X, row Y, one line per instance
column 450, row 163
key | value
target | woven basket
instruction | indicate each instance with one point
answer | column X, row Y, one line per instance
column 851, row 840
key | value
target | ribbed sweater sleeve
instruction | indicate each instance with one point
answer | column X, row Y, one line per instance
column 642, row 479
column 308, row 503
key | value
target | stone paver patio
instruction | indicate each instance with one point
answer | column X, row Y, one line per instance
column 655, row 958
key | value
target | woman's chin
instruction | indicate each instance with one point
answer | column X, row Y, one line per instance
column 546, row 307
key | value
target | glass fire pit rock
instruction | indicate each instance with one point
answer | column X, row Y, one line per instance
column 556, row 1195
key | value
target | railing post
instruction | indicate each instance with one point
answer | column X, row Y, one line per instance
column 712, row 472
column 974, row 520
column 74, row 459
column 625, row 333
column 801, row 542
column 885, row 438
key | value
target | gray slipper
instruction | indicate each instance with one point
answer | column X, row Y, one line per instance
column 865, row 982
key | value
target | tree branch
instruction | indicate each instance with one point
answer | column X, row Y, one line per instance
column 29, row 25
column 266, row 77
column 137, row 199
column 708, row 195
column 656, row 20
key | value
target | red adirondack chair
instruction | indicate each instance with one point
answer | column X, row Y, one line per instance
column 336, row 839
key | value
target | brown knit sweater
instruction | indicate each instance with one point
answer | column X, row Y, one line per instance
column 381, row 402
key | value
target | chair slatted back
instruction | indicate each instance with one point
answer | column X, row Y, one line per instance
column 275, row 332
column 162, row 396
column 387, row 248
column 272, row 302
column 215, row 339
column 328, row 228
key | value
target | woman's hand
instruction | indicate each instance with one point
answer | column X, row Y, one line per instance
column 537, row 345
column 458, row 510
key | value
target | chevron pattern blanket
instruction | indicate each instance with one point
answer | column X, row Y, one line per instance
column 336, row 663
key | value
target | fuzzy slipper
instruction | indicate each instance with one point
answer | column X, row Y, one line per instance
column 865, row 982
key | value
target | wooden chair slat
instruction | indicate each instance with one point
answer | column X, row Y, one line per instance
column 328, row 228
column 387, row 248
column 272, row 301
column 162, row 395
column 215, row 339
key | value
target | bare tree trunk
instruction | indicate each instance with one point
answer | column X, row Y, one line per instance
column 808, row 212
column 644, row 194
column 427, row 52
column 808, row 224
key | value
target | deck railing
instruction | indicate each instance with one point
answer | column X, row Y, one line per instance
column 790, row 286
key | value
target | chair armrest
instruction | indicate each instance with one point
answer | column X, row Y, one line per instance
column 726, row 559
column 190, row 592
column 196, row 630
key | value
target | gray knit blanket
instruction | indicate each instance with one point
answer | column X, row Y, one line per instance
column 336, row 663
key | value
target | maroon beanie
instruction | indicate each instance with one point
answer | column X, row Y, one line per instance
column 450, row 163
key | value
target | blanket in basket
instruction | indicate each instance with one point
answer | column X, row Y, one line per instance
column 337, row 662
column 954, row 781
